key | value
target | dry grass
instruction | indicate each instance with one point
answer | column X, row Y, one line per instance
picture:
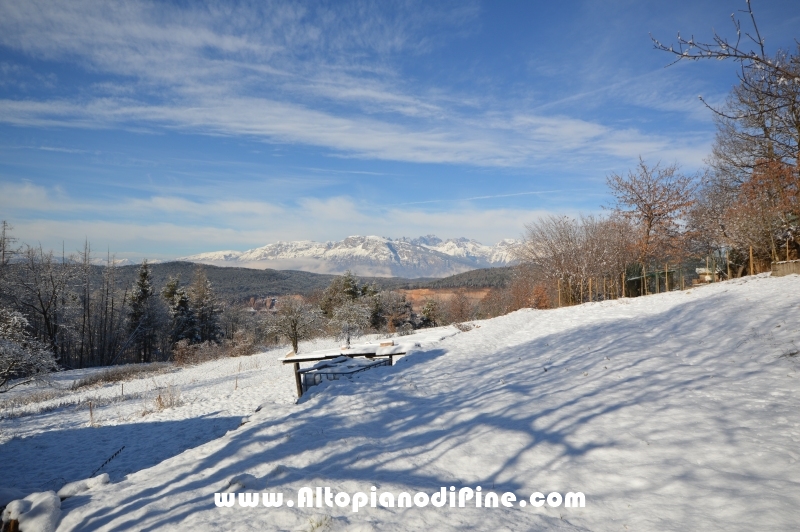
column 121, row 373
column 168, row 397
column 242, row 344
column 19, row 400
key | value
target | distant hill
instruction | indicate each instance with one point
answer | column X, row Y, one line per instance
column 483, row 278
column 240, row 284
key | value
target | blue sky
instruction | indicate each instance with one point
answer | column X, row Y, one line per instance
column 163, row 129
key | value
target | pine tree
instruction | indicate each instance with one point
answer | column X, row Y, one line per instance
column 183, row 324
column 205, row 308
column 341, row 290
column 432, row 312
column 143, row 318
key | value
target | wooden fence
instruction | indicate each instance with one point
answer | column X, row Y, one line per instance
column 779, row 269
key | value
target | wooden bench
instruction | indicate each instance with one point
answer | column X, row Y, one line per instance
column 370, row 351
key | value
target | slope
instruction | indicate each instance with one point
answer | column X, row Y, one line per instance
column 670, row 412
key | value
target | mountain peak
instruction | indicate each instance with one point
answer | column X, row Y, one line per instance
column 425, row 256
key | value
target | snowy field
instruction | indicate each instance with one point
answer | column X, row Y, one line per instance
column 676, row 411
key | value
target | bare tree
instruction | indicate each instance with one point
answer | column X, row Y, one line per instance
column 757, row 145
column 295, row 320
column 40, row 290
column 568, row 252
column 7, row 247
column 761, row 117
column 656, row 199
column 460, row 308
column 351, row 319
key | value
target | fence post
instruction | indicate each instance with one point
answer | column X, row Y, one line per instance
column 728, row 264
column 644, row 280
column 296, row 368
column 559, row 293
column 751, row 260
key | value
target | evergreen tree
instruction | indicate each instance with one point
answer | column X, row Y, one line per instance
column 432, row 313
column 341, row 290
column 143, row 317
column 204, row 304
column 183, row 324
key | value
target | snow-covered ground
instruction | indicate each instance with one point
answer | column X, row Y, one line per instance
column 676, row 411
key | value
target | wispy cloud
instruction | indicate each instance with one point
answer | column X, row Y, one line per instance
column 173, row 226
column 286, row 73
column 475, row 198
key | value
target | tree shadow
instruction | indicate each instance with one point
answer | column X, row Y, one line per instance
column 399, row 424
column 48, row 460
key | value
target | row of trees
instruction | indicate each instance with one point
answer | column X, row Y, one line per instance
column 743, row 209
column 80, row 316
column 345, row 309
column 751, row 195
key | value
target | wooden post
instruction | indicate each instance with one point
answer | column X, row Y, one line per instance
column 559, row 293
column 623, row 284
column 751, row 260
column 657, row 280
column 590, row 284
column 728, row 263
column 297, row 382
column 644, row 280
column 666, row 277
column 787, row 249
column 683, row 286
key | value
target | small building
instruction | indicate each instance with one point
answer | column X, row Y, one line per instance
column 707, row 275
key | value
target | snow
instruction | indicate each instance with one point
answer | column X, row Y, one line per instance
column 38, row 512
column 79, row 486
column 675, row 412
column 369, row 255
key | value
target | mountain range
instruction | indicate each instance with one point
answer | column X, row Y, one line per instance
column 427, row 256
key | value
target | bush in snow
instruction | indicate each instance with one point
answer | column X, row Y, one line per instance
column 38, row 512
column 350, row 319
column 21, row 357
column 295, row 320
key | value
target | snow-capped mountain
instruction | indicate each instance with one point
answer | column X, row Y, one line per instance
column 426, row 256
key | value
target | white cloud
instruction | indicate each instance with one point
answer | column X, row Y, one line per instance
column 171, row 226
column 290, row 74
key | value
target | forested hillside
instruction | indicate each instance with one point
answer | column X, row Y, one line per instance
column 240, row 284
column 236, row 285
